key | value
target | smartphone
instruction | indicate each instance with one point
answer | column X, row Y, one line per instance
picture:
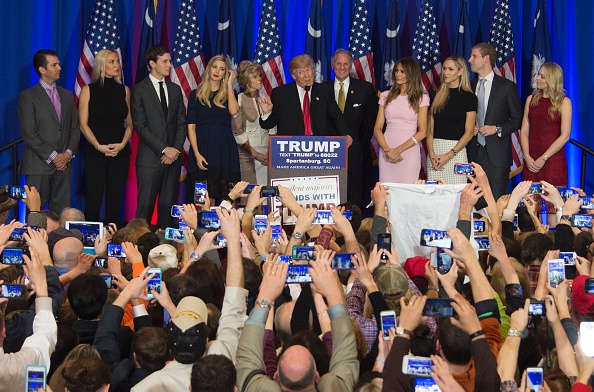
column 260, row 223
column 248, row 189
column 276, row 230
column 12, row 256
column 537, row 308
column 384, row 241
column 176, row 210
column 479, row 227
column 483, row 243
column 417, row 366
column 174, row 234
column 463, row 169
column 17, row 192
column 220, row 240
column 17, row 233
column 427, row 384
column 515, row 222
column 323, row 217
column 568, row 257
column 534, row 377
column 199, row 192
column 182, row 225
column 556, row 272
column 100, row 262
column 35, row 378
column 388, row 318
column 589, row 286
column 441, row 260
column 588, row 202
column 208, row 220
column 438, row 307
column 587, row 337
column 431, row 182
column 109, row 281
column 115, row 250
column 302, row 252
column 154, row 283
column 581, row 220
column 90, row 231
column 342, row 261
column 566, row 192
column 536, row 188
column 348, row 214
column 435, row 238
column 298, row 274
column 269, row 191
column 16, row 291
column 284, row 259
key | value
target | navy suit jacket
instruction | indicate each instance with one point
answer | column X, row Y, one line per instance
column 286, row 115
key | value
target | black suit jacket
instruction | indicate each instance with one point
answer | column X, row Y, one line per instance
column 286, row 115
column 155, row 131
column 504, row 109
column 360, row 110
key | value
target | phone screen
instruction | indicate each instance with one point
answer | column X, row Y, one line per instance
column 438, row 307
column 589, row 286
column 208, row 220
column 17, row 233
column 566, row 192
column 534, row 377
column 248, row 189
column 384, row 241
column 154, row 283
column 535, row 188
column 463, row 169
column 420, row 366
column 12, row 256
column 582, row 220
column 479, row 227
column 173, row 234
column 284, row 259
column 323, row 217
column 100, row 262
column 17, row 192
column 441, row 260
column 348, row 214
column 587, row 337
column 108, row 279
column 483, row 243
column 176, row 211
column 90, row 231
column 13, row 291
column 303, row 252
column 568, row 257
column 588, row 202
column 342, row 261
column 556, row 272
column 115, row 250
column 35, row 379
column 388, row 321
column 425, row 384
column 436, row 238
column 260, row 223
column 199, row 192
column 276, row 230
column 220, row 240
column 537, row 308
column 298, row 274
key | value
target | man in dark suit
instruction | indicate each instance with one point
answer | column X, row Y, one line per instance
column 284, row 107
column 359, row 103
column 159, row 117
column 499, row 115
column 49, row 125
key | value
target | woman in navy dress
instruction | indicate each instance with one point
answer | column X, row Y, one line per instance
column 213, row 155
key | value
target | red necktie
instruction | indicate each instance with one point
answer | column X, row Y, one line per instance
column 306, row 115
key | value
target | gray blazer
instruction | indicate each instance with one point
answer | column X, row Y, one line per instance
column 41, row 130
column 155, row 131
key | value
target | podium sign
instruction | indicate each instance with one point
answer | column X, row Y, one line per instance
column 313, row 167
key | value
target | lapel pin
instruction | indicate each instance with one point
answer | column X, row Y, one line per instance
column 317, row 98
column 352, row 92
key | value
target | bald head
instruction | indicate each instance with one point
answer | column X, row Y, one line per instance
column 71, row 214
column 282, row 320
column 66, row 252
column 297, row 370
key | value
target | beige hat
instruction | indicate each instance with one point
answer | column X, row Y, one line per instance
column 163, row 256
column 190, row 311
column 392, row 282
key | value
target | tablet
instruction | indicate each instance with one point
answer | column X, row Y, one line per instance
column 89, row 230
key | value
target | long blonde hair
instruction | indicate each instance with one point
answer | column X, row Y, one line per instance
column 99, row 66
column 413, row 83
column 443, row 94
column 203, row 92
column 554, row 76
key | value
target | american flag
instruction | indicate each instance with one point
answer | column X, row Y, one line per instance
column 425, row 48
column 268, row 49
column 188, row 60
column 502, row 39
column 102, row 34
column 360, row 44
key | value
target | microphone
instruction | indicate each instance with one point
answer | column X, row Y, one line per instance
column 307, row 88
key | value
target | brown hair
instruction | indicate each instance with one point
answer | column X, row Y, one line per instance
column 245, row 69
column 487, row 50
column 414, row 88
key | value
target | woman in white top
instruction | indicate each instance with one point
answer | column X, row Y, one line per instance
column 251, row 138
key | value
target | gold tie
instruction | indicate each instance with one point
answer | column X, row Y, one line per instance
column 341, row 99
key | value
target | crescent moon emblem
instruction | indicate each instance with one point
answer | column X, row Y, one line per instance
column 148, row 19
column 314, row 33
column 392, row 33
column 223, row 26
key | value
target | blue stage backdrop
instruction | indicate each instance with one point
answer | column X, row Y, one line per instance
column 29, row 25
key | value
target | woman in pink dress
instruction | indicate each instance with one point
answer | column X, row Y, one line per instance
column 545, row 128
column 403, row 110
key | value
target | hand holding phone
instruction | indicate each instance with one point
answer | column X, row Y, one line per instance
column 463, row 169
column 388, row 318
column 436, row 238
column 155, row 282
column 35, row 377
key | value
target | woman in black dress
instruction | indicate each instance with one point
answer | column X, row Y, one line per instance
column 213, row 157
column 106, row 123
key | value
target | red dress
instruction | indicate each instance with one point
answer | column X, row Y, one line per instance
column 544, row 130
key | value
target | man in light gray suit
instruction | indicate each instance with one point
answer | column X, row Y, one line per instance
column 49, row 125
column 159, row 117
column 499, row 115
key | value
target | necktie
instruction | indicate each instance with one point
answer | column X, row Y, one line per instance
column 56, row 101
column 480, row 115
column 341, row 98
column 163, row 98
column 306, row 115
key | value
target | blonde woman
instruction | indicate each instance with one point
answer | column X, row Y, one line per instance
column 106, row 123
column 451, row 122
column 213, row 155
column 546, row 127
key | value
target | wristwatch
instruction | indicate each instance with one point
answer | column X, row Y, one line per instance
column 297, row 235
column 498, row 129
column 264, row 304
column 401, row 331
column 566, row 217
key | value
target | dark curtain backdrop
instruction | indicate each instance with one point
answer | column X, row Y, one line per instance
column 28, row 25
